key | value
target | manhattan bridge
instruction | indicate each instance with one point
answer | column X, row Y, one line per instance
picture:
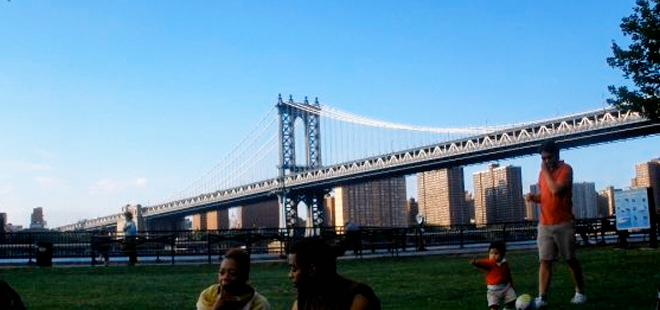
column 299, row 151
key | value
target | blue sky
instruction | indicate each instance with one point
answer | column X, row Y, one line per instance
column 105, row 103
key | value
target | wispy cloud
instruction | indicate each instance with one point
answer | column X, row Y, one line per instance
column 141, row 182
column 6, row 189
column 39, row 167
column 104, row 187
column 45, row 154
column 28, row 166
column 47, row 182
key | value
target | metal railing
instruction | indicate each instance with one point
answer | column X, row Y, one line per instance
column 172, row 246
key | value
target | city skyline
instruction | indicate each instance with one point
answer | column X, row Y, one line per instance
column 443, row 201
column 108, row 104
column 411, row 192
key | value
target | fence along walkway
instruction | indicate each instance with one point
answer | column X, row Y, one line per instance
column 171, row 246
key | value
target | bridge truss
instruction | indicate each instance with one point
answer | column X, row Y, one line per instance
column 308, row 183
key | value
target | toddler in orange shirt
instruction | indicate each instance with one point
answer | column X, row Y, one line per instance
column 498, row 277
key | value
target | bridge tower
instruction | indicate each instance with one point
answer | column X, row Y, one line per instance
column 288, row 114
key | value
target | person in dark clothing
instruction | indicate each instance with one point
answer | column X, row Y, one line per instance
column 130, row 243
column 9, row 299
column 314, row 274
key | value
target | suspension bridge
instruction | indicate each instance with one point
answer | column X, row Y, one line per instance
column 299, row 151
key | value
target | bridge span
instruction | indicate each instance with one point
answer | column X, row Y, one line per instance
column 579, row 130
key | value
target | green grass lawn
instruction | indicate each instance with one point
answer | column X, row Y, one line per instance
column 615, row 279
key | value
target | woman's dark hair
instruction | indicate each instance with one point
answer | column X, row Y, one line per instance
column 242, row 259
column 315, row 251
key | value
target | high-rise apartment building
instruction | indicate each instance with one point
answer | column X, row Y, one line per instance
column 585, row 200
column 441, row 197
column 329, row 209
column 212, row 219
column 259, row 215
column 412, row 207
column 235, row 217
column 37, row 218
column 469, row 204
column 606, row 201
column 198, row 221
column 648, row 175
column 217, row 219
column 379, row 203
column 3, row 222
column 532, row 208
column 498, row 195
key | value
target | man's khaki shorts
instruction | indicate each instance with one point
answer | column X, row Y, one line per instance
column 556, row 240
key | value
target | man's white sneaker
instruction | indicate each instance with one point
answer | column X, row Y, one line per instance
column 539, row 303
column 579, row 299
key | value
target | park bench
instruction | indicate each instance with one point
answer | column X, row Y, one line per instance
column 238, row 238
column 592, row 229
column 148, row 244
column 390, row 239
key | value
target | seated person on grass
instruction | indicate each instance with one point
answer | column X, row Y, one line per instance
column 9, row 299
column 232, row 292
column 314, row 274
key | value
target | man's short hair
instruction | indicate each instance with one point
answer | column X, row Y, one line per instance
column 549, row 146
column 499, row 245
column 315, row 251
column 242, row 259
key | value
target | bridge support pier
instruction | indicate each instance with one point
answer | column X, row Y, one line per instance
column 289, row 201
column 315, row 218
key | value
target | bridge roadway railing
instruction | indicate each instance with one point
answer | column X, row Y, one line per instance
column 179, row 246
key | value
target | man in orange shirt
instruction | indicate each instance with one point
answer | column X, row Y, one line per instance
column 556, row 231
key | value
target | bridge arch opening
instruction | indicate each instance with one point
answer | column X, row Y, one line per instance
column 300, row 154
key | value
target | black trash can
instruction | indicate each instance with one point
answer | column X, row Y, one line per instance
column 44, row 254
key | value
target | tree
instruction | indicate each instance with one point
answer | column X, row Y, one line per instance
column 640, row 62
